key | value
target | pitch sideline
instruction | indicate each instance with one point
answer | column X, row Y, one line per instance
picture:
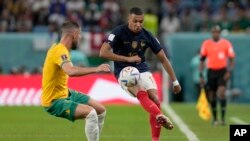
column 237, row 120
column 178, row 121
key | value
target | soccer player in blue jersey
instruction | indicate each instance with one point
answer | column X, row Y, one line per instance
column 129, row 43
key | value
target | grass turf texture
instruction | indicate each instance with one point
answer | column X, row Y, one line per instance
column 123, row 123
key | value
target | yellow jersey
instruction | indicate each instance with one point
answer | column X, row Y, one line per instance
column 55, row 80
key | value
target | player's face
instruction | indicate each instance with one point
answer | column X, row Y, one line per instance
column 135, row 22
column 216, row 34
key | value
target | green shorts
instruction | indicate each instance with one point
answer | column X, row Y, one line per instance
column 65, row 107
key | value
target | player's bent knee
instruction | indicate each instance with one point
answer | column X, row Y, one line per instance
column 97, row 106
column 101, row 109
column 82, row 111
column 92, row 115
column 134, row 90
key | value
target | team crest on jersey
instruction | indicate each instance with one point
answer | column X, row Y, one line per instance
column 134, row 44
column 143, row 43
column 64, row 57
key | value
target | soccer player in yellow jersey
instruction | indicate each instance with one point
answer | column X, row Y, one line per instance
column 57, row 98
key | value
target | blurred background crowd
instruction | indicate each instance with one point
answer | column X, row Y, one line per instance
column 44, row 15
column 103, row 15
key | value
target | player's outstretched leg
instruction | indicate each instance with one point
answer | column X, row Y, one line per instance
column 150, row 106
column 164, row 121
column 91, row 126
column 101, row 112
column 155, row 128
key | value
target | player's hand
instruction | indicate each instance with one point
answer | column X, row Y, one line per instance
column 134, row 59
column 227, row 75
column 177, row 89
column 103, row 68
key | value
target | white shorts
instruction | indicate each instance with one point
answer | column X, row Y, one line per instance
column 146, row 82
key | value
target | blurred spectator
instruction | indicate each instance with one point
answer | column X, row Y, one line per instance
column 188, row 20
column 92, row 15
column 19, row 70
column 14, row 70
column 57, row 16
column 37, row 70
column 242, row 22
column 40, row 4
column 75, row 5
column 24, row 22
column 41, row 17
column 151, row 22
column 111, row 5
column 205, row 23
column 16, row 6
column 58, row 6
column 40, row 10
column 170, row 23
column 223, row 20
column 111, row 15
column 5, row 21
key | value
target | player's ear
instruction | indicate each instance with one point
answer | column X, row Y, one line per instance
column 74, row 35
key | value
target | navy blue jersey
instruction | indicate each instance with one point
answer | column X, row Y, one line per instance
column 127, row 43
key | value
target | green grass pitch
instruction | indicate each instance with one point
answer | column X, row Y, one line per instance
column 123, row 123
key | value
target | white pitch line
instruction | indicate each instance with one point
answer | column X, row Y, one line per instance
column 237, row 120
column 178, row 121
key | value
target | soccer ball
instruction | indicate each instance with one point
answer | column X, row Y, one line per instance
column 129, row 76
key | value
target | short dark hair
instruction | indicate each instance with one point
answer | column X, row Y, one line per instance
column 136, row 11
column 216, row 27
column 69, row 25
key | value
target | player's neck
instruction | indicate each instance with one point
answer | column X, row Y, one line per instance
column 216, row 40
column 131, row 30
column 67, row 42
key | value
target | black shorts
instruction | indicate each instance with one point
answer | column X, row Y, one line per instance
column 215, row 78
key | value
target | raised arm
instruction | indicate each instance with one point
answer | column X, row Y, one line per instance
column 80, row 71
column 107, row 53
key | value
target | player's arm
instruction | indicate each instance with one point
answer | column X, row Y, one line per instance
column 203, row 56
column 106, row 52
column 231, row 64
column 80, row 71
column 168, row 67
column 229, row 68
column 231, row 55
column 202, row 64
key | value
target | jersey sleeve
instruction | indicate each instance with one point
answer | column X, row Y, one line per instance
column 155, row 44
column 113, row 37
column 230, row 50
column 203, row 51
column 61, row 57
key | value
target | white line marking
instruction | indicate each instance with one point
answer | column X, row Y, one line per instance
column 237, row 120
column 178, row 121
column 81, row 136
